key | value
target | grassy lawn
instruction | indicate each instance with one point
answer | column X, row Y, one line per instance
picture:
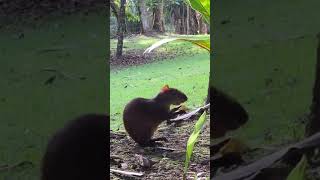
column 31, row 111
column 265, row 57
column 188, row 72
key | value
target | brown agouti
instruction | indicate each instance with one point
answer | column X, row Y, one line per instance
column 227, row 114
column 78, row 151
column 141, row 116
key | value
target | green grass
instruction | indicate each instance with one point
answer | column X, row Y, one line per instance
column 187, row 73
column 247, row 53
column 30, row 111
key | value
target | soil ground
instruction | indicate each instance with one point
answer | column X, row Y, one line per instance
column 167, row 164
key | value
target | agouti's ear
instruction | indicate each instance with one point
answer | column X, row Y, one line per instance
column 165, row 88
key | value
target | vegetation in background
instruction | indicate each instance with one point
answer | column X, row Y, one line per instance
column 161, row 16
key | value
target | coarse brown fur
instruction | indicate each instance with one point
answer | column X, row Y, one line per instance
column 142, row 116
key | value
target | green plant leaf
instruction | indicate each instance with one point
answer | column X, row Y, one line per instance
column 205, row 44
column 202, row 6
column 299, row 172
column 192, row 140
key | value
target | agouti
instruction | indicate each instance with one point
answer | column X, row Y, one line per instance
column 227, row 114
column 142, row 116
column 78, row 151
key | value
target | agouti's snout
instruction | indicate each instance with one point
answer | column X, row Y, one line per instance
column 183, row 98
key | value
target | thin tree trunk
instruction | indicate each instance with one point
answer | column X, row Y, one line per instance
column 145, row 16
column 183, row 20
column 188, row 20
column 202, row 26
column 140, row 24
column 158, row 23
column 121, row 28
column 313, row 125
column 194, row 26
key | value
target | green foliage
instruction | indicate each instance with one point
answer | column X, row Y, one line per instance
column 117, row 3
column 202, row 6
column 132, row 14
column 152, row 3
column 192, row 140
column 299, row 172
column 131, row 10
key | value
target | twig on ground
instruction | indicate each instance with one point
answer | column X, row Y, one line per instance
column 127, row 173
column 166, row 149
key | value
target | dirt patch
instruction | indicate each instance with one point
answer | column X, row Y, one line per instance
column 136, row 57
column 165, row 164
column 28, row 12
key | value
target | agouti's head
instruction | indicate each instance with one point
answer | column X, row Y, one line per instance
column 171, row 96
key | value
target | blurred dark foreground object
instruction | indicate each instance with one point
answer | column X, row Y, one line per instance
column 78, row 151
column 227, row 114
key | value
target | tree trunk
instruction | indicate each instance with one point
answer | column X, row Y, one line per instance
column 140, row 22
column 158, row 23
column 188, row 20
column 202, row 26
column 313, row 125
column 193, row 22
column 177, row 19
column 121, row 28
column 184, row 25
column 145, row 17
column 203, row 29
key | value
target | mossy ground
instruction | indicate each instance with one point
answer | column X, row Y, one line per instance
column 265, row 57
column 30, row 111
